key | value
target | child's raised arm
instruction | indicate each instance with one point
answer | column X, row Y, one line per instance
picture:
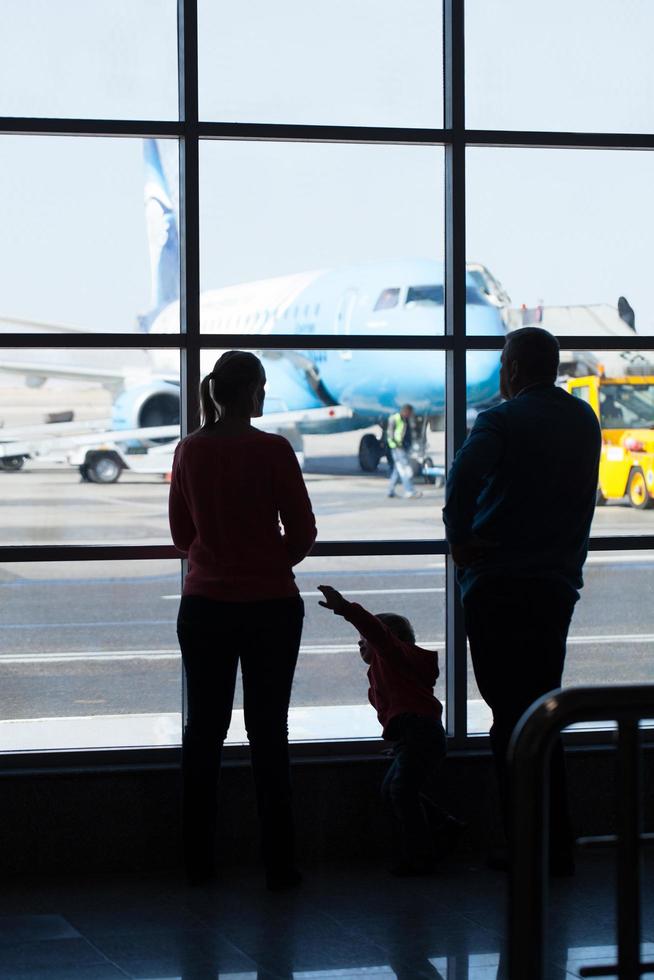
column 333, row 600
column 368, row 625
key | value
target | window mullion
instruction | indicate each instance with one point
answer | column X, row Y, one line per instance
column 455, row 327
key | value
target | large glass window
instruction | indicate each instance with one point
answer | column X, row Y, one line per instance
column 89, row 655
column 331, row 62
column 580, row 67
column 86, row 445
column 110, row 59
column 568, row 232
column 305, row 237
column 89, row 238
column 328, row 232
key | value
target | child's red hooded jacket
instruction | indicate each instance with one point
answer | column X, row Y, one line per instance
column 401, row 675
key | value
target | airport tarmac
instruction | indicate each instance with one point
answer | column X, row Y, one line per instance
column 96, row 640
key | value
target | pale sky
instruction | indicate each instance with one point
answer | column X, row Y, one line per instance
column 553, row 226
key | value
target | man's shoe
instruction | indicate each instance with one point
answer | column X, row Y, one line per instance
column 414, row 495
column 391, row 495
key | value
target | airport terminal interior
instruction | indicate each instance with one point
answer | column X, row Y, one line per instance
column 370, row 196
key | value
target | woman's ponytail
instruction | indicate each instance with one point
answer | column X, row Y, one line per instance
column 208, row 408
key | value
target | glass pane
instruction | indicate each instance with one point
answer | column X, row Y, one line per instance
column 578, row 67
column 78, row 249
column 610, row 628
column 613, row 626
column 334, row 239
column 334, row 408
column 566, row 231
column 330, row 62
column 330, row 691
column 73, row 423
column 611, row 633
column 619, row 386
column 112, row 59
column 89, row 656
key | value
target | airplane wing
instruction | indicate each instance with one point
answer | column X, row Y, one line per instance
column 14, row 324
column 37, row 373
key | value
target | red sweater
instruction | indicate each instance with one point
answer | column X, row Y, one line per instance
column 401, row 675
column 227, row 497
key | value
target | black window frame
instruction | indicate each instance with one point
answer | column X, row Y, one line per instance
column 190, row 131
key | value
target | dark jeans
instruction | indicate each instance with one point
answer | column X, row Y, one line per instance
column 214, row 636
column 419, row 746
column 517, row 631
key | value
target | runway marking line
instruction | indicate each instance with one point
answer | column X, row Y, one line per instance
column 311, row 595
column 310, row 649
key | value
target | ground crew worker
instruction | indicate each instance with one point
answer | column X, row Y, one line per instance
column 399, row 436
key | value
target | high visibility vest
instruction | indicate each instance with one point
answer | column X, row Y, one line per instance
column 396, row 431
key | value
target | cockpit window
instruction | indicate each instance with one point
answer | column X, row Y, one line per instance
column 435, row 296
column 425, row 295
column 388, row 298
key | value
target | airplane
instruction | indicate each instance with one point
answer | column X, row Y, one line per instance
column 317, row 391
column 387, row 298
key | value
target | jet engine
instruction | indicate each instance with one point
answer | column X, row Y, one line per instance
column 142, row 406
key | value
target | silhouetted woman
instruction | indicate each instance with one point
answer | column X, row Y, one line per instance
column 231, row 486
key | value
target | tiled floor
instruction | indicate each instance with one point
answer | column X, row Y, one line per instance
column 344, row 922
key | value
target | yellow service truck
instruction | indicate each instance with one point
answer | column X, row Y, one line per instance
column 625, row 409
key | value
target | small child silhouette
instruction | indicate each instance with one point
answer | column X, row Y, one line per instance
column 402, row 677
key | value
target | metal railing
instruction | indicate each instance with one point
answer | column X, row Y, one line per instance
column 529, row 755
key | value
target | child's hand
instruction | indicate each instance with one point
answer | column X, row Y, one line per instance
column 333, row 599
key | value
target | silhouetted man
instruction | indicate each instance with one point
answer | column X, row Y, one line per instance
column 519, row 504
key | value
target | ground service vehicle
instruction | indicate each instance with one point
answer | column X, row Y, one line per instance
column 625, row 409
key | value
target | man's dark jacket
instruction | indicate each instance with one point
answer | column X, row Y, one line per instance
column 525, row 481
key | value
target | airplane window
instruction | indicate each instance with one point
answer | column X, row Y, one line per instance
column 388, row 298
column 317, row 309
column 425, row 295
column 435, row 296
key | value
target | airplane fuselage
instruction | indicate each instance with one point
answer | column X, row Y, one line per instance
column 385, row 299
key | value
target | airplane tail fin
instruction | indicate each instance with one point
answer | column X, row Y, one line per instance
column 163, row 237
